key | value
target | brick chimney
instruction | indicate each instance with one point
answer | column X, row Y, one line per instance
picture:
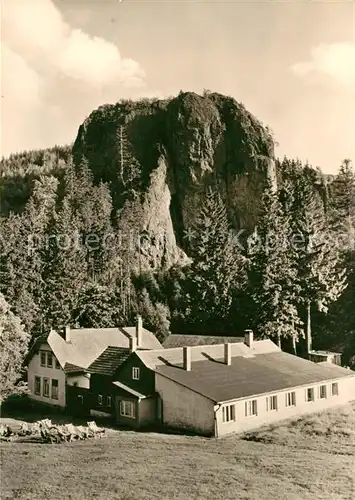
column 133, row 344
column 228, row 354
column 67, row 337
column 187, row 358
column 249, row 338
column 139, row 331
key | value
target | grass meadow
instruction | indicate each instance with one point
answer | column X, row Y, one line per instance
column 308, row 458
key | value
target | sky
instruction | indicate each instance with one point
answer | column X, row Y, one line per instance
column 290, row 62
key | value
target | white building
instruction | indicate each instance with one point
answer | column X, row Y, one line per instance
column 58, row 360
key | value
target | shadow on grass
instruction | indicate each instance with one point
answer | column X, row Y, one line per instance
column 27, row 411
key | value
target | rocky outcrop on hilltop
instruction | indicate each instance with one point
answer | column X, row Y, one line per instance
column 159, row 156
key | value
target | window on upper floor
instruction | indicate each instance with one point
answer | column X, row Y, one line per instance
column 322, row 392
column 271, row 403
column 38, row 385
column 228, row 413
column 127, row 409
column 309, row 394
column 335, row 389
column 43, row 358
column 99, row 399
column 57, row 364
column 49, row 360
column 54, row 389
column 290, row 399
column 251, row 408
column 108, row 401
column 135, row 373
column 46, row 387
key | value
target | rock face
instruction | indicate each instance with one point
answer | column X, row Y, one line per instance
column 159, row 156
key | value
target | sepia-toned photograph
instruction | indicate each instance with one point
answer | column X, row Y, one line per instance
column 177, row 250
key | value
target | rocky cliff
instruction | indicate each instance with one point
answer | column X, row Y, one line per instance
column 160, row 155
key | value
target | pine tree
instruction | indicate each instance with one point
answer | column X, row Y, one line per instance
column 65, row 272
column 342, row 204
column 96, row 307
column 129, row 170
column 320, row 270
column 217, row 266
column 13, row 347
column 271, row 273
column 24, row 261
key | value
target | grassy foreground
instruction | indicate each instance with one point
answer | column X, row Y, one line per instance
column 308, row 458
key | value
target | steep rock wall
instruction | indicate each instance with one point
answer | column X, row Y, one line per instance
column 161, row 155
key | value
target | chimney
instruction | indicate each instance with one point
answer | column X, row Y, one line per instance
column 139, row 331
column 133, row 344
column 67, row 334
column 227, row 354
column 187, row 358
column 249, row 338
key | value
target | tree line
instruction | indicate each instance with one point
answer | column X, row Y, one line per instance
column 292, row 279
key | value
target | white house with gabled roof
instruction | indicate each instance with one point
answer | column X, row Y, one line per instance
column 60, row 359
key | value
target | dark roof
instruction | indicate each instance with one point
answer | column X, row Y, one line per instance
column 108, row 361
column 70, row 368
column 177, row 340
column 174, row 355
column 249, row 376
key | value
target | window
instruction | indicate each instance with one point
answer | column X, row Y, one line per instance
column 251, row 408
column 335, row 389
column 323, row 392
column 108, row 401
column 228, row 413
column 127, row 409
column 271, row 403
column 54, row 389
column 135, row 373
column 309, row 394
column 99, row 399
column 81, row 399
column 75, row 384
column 46, row 387
column 57, row 364
column 38, row 385
column 49, row 359
column 291, row 399
column 43, row 358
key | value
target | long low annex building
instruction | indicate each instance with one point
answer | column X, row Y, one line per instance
column 220, row 389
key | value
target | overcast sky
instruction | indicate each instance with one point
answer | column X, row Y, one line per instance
column 291, row 63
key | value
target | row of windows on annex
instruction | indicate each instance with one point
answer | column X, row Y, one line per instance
column 46, row 387
column 272, row 402
column 48, row 360
column 127, row 408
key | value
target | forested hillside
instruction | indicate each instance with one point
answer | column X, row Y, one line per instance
column 178, row 210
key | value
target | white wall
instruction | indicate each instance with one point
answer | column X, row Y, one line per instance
column 81, row 380
column 243, row 423
column 35, row 369
column 183, row 408
column 147, row 411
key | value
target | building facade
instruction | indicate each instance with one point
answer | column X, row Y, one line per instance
column 211, row 390
column 57, row 363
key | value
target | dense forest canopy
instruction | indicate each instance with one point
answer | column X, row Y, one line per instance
column 290, row 277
